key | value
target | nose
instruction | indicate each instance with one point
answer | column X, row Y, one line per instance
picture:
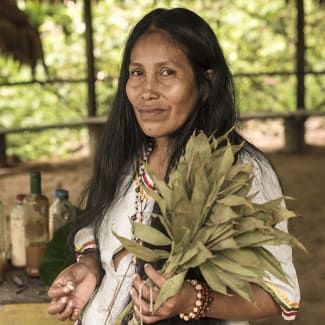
column 150, row 88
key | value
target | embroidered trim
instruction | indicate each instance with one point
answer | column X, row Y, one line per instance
column 87, row 245
column 289, row 308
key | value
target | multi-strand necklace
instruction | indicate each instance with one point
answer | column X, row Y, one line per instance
column 140, row 180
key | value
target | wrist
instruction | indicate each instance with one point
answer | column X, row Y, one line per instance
column 91, row 260
column 203, row 300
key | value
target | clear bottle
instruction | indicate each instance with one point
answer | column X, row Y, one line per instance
column 61, row 211
column 3, row 253
column 36, row 212
column 17, row 233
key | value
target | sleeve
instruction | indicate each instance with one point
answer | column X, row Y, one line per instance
column 84, row 239
column 266, row 185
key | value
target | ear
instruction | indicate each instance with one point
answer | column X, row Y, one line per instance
column 209, row 75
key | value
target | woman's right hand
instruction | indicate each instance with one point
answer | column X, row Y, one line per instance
column 72, row 289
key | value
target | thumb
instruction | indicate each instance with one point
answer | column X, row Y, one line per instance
column 155, row 276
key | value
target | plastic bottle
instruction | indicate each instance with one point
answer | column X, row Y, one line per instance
column 36, row 212
column 61, row 211
column 17, row 233
column 3, row 255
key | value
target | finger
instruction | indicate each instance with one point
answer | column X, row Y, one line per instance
column 67, row 312
column 155, row 276
column 75, row 314
column 145, row 291
column 57, row 306
column 146, row 306
column 147, row 319
column 61, row 289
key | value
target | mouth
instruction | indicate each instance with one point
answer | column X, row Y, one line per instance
column 148, row 113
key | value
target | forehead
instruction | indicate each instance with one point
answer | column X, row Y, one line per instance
column 157, row 44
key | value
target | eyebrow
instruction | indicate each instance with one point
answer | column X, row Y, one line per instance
column 162, row 63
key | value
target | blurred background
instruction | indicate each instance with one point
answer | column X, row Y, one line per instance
column 59, row 63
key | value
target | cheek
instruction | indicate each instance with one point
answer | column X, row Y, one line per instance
column 128, row 92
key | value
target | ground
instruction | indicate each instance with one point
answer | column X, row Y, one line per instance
column 302, row 176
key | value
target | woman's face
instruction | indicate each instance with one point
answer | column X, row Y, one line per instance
column 161, row 85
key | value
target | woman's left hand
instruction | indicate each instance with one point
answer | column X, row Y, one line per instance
column 182, row 302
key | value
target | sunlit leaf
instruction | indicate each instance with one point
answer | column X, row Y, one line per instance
column 146, row 254
column 149, row 234
column 169, row 289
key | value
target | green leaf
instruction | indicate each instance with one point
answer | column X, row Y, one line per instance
column 212, row 278
column 229, row 265
column 169, row 289
column 244, row 256
column 145, row 253
column 149, row 235
column 239, row 286
column 246, row 208
column 165, row 222
column 221, row 213
column 256, row 238
column 201, row 190
column 195, row 255
column 271, row 264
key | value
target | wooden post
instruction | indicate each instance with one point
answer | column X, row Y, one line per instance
column 294, row 132
column 295, row 127
column 91, row 78
column 3, row 149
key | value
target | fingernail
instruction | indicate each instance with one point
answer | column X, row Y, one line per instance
column 146, row 265
column 63, row 300
column 66, row 290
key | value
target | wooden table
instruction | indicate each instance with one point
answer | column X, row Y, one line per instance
column 24, row 304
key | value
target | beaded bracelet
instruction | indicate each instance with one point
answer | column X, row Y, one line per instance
column 202, row 303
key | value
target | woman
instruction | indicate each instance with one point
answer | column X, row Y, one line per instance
column 173, row 80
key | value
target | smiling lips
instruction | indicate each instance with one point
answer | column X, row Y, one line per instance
column 149, row 113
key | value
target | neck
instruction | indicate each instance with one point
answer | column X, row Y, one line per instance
column 160, row 156
column 163, row 145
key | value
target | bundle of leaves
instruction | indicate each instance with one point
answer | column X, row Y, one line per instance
column 212, row 223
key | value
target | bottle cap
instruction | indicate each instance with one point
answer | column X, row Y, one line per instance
column 20, row 197
column 61, row 194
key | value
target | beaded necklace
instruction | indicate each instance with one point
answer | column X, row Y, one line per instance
column 140, row 180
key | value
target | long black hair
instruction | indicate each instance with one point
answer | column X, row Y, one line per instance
column 122, row 138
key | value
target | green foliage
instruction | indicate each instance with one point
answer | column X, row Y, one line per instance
column 256, row 36
column 57, row 255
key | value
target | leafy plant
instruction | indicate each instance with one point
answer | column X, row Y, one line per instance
column 211, row 223
column 57, row 255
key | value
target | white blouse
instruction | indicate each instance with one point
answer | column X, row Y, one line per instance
column 113, row 293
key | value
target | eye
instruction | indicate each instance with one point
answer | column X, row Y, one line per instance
column 136, row 73
column 167, row 72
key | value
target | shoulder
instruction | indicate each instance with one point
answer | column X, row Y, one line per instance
column 265, row 182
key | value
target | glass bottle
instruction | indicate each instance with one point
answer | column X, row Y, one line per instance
column 61, row 211
column 36, row 212
column 17, row 233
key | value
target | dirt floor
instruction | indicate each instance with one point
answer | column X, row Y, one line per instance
column 302, row 176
